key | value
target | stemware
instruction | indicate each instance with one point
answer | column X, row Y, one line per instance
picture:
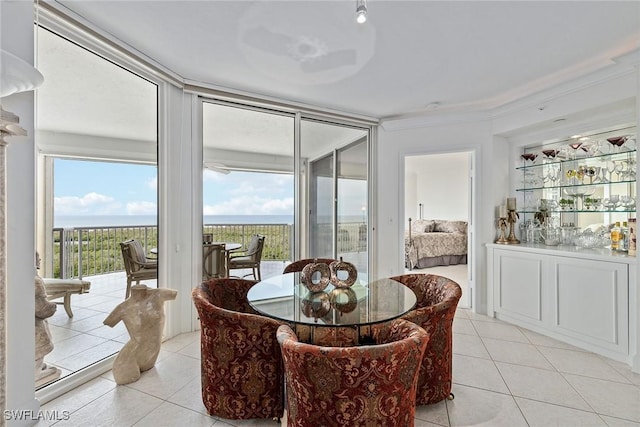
column 611, row 168
column 616, row 142
column 575, row 146
column 592, row 172
column 553, row 174
column 550, row 155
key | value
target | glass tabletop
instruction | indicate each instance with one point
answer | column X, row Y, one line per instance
column 284, row 297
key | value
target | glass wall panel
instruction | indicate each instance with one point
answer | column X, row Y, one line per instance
column 352, row 204
column 248, row 185
column 336, row 157
column 97, row 139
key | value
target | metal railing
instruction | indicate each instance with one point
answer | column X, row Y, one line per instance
column 88, row 251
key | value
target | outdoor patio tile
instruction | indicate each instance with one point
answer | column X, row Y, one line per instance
column 72, row 346
column 89, row 356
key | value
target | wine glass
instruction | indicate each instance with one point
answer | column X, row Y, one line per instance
column 549, row 155
column 611, row 168
column 616, row 142
column 575, row 146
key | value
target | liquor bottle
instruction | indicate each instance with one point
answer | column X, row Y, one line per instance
column 615, row 237
column 632, row 236
column 623, row 244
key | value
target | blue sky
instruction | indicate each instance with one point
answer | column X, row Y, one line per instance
column 104, row 188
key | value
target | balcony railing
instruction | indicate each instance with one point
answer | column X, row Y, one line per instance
column 88, row 251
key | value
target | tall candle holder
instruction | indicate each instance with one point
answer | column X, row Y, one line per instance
column 511, row 219
column 502, row 225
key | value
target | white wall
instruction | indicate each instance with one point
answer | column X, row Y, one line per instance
column 441, row 183
column 17, row 38
column 393, row 146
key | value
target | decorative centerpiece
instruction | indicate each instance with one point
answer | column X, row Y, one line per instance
column 316, row 304
column 343, row 300
column 337, row 278
column 315, row 276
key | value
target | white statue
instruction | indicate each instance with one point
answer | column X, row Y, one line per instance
column 44, row 344
column 143, row 315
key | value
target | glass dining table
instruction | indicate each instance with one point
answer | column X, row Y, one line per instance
column 334, row 316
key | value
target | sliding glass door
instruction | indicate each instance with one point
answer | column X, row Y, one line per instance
column 336, row 158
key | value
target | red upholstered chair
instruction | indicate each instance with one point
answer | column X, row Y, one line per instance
column 436, row 306
column 242, row 370
column 372, row 385
column 301, row 263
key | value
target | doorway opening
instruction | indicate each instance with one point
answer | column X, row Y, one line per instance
column 438, row 204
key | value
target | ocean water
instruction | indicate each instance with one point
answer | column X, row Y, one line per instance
column 69, row 221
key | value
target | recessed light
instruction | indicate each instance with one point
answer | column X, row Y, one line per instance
column 575, row 136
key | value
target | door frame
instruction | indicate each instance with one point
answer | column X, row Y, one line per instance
column 472, row 259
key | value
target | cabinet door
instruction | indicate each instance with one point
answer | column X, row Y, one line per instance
column 519, row 284
column 590, row 301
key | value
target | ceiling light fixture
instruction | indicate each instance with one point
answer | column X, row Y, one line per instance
column 361, row 11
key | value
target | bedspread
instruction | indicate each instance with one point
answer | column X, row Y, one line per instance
column 434, row 245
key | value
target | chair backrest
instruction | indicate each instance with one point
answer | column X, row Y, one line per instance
column 301, row 263
column 363, row 385
column 132, row 254
column 255, row 247
column 432, row 290
column 233, row 340
column 437, row 300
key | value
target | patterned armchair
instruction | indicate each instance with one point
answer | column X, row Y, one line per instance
column 242, row 370
column 436, row 306
column 301, row 263
column 373, row 385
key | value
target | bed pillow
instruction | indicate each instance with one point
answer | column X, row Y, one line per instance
column 422, row 226
column 451, row 226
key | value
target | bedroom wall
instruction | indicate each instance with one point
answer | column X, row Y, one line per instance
column 440, row 182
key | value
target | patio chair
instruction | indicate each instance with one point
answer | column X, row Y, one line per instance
column 64, row 288
column 249, row 259
column 136, row 264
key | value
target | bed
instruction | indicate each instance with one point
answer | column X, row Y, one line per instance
column 429, row 243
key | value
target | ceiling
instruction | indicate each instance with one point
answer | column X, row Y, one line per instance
column 410, row 57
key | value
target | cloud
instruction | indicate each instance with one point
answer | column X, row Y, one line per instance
column 251, row 205
column 152, row 183
column 90, row 203
column 142, row 208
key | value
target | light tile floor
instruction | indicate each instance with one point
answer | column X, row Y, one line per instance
column 83, row 339
column 503, row 376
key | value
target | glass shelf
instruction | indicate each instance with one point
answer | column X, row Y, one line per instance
column 572, row 211
column 621, row 156
column 595, row 184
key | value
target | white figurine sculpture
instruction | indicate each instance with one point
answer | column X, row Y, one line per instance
column 143, row 315
column 44, row 344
